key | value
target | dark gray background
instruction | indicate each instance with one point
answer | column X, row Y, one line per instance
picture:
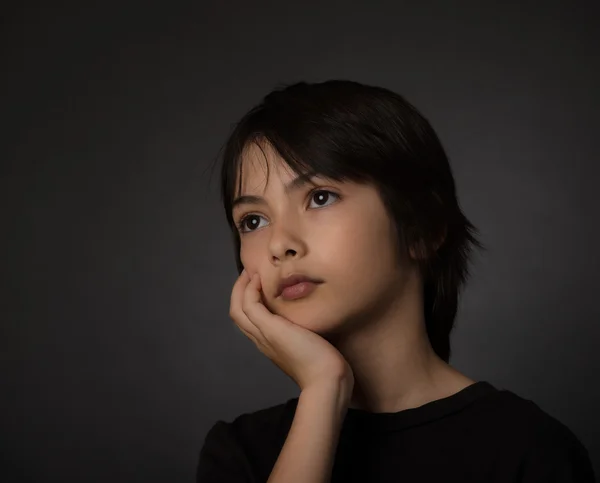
column 117, row 350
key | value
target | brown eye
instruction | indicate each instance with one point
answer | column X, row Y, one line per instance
column 322, row 196
column 242, row 223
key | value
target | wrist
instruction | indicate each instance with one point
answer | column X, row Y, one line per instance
column 338, row 389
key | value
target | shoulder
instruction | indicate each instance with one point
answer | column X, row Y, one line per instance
column 514, row 414
column 245, row 449
column 270, row 424
column 543, row 445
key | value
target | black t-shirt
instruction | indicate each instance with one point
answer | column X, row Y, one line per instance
column 479, row 434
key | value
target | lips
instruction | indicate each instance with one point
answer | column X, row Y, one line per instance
column 293, row 280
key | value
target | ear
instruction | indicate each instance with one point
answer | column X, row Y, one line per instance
column 419, row 251
column 442, row 239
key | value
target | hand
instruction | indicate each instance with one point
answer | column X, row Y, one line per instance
column 306, row 357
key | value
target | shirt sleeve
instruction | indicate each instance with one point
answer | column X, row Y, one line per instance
column 558, row 460
column 222, row 459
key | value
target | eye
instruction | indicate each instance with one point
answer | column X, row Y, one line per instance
column 323, row 196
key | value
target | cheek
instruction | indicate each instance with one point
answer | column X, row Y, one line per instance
column 248, row 259
column 364, row 251
column 365, row 236
column 247, row 251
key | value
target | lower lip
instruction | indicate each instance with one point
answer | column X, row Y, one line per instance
column 301, row 289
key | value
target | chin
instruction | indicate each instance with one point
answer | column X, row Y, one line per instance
column 312, row 316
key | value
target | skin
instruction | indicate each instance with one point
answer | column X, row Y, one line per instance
column 369, row 308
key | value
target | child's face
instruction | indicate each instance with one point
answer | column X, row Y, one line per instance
column 345, row 239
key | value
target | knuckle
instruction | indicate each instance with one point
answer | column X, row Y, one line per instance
column 234, row 315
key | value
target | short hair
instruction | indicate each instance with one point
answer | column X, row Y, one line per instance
column 345, row 130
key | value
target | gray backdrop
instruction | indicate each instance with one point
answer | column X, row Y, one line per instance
column 118, row 353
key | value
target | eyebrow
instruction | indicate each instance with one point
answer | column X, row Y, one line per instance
column 293, row 185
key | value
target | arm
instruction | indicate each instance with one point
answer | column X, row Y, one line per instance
column 222, row 459
column 309, row 450
column 559, row 458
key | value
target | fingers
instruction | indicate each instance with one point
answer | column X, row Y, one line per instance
column 247, row 334
column 258, row 314
column 238, row 307
column 235, row 306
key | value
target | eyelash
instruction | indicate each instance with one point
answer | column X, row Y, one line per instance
column 240, row 224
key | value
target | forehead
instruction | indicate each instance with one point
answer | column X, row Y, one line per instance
column 255, row 161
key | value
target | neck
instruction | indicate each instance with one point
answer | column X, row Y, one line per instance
column 394, row 365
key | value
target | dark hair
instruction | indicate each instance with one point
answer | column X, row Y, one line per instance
column 345, row 130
